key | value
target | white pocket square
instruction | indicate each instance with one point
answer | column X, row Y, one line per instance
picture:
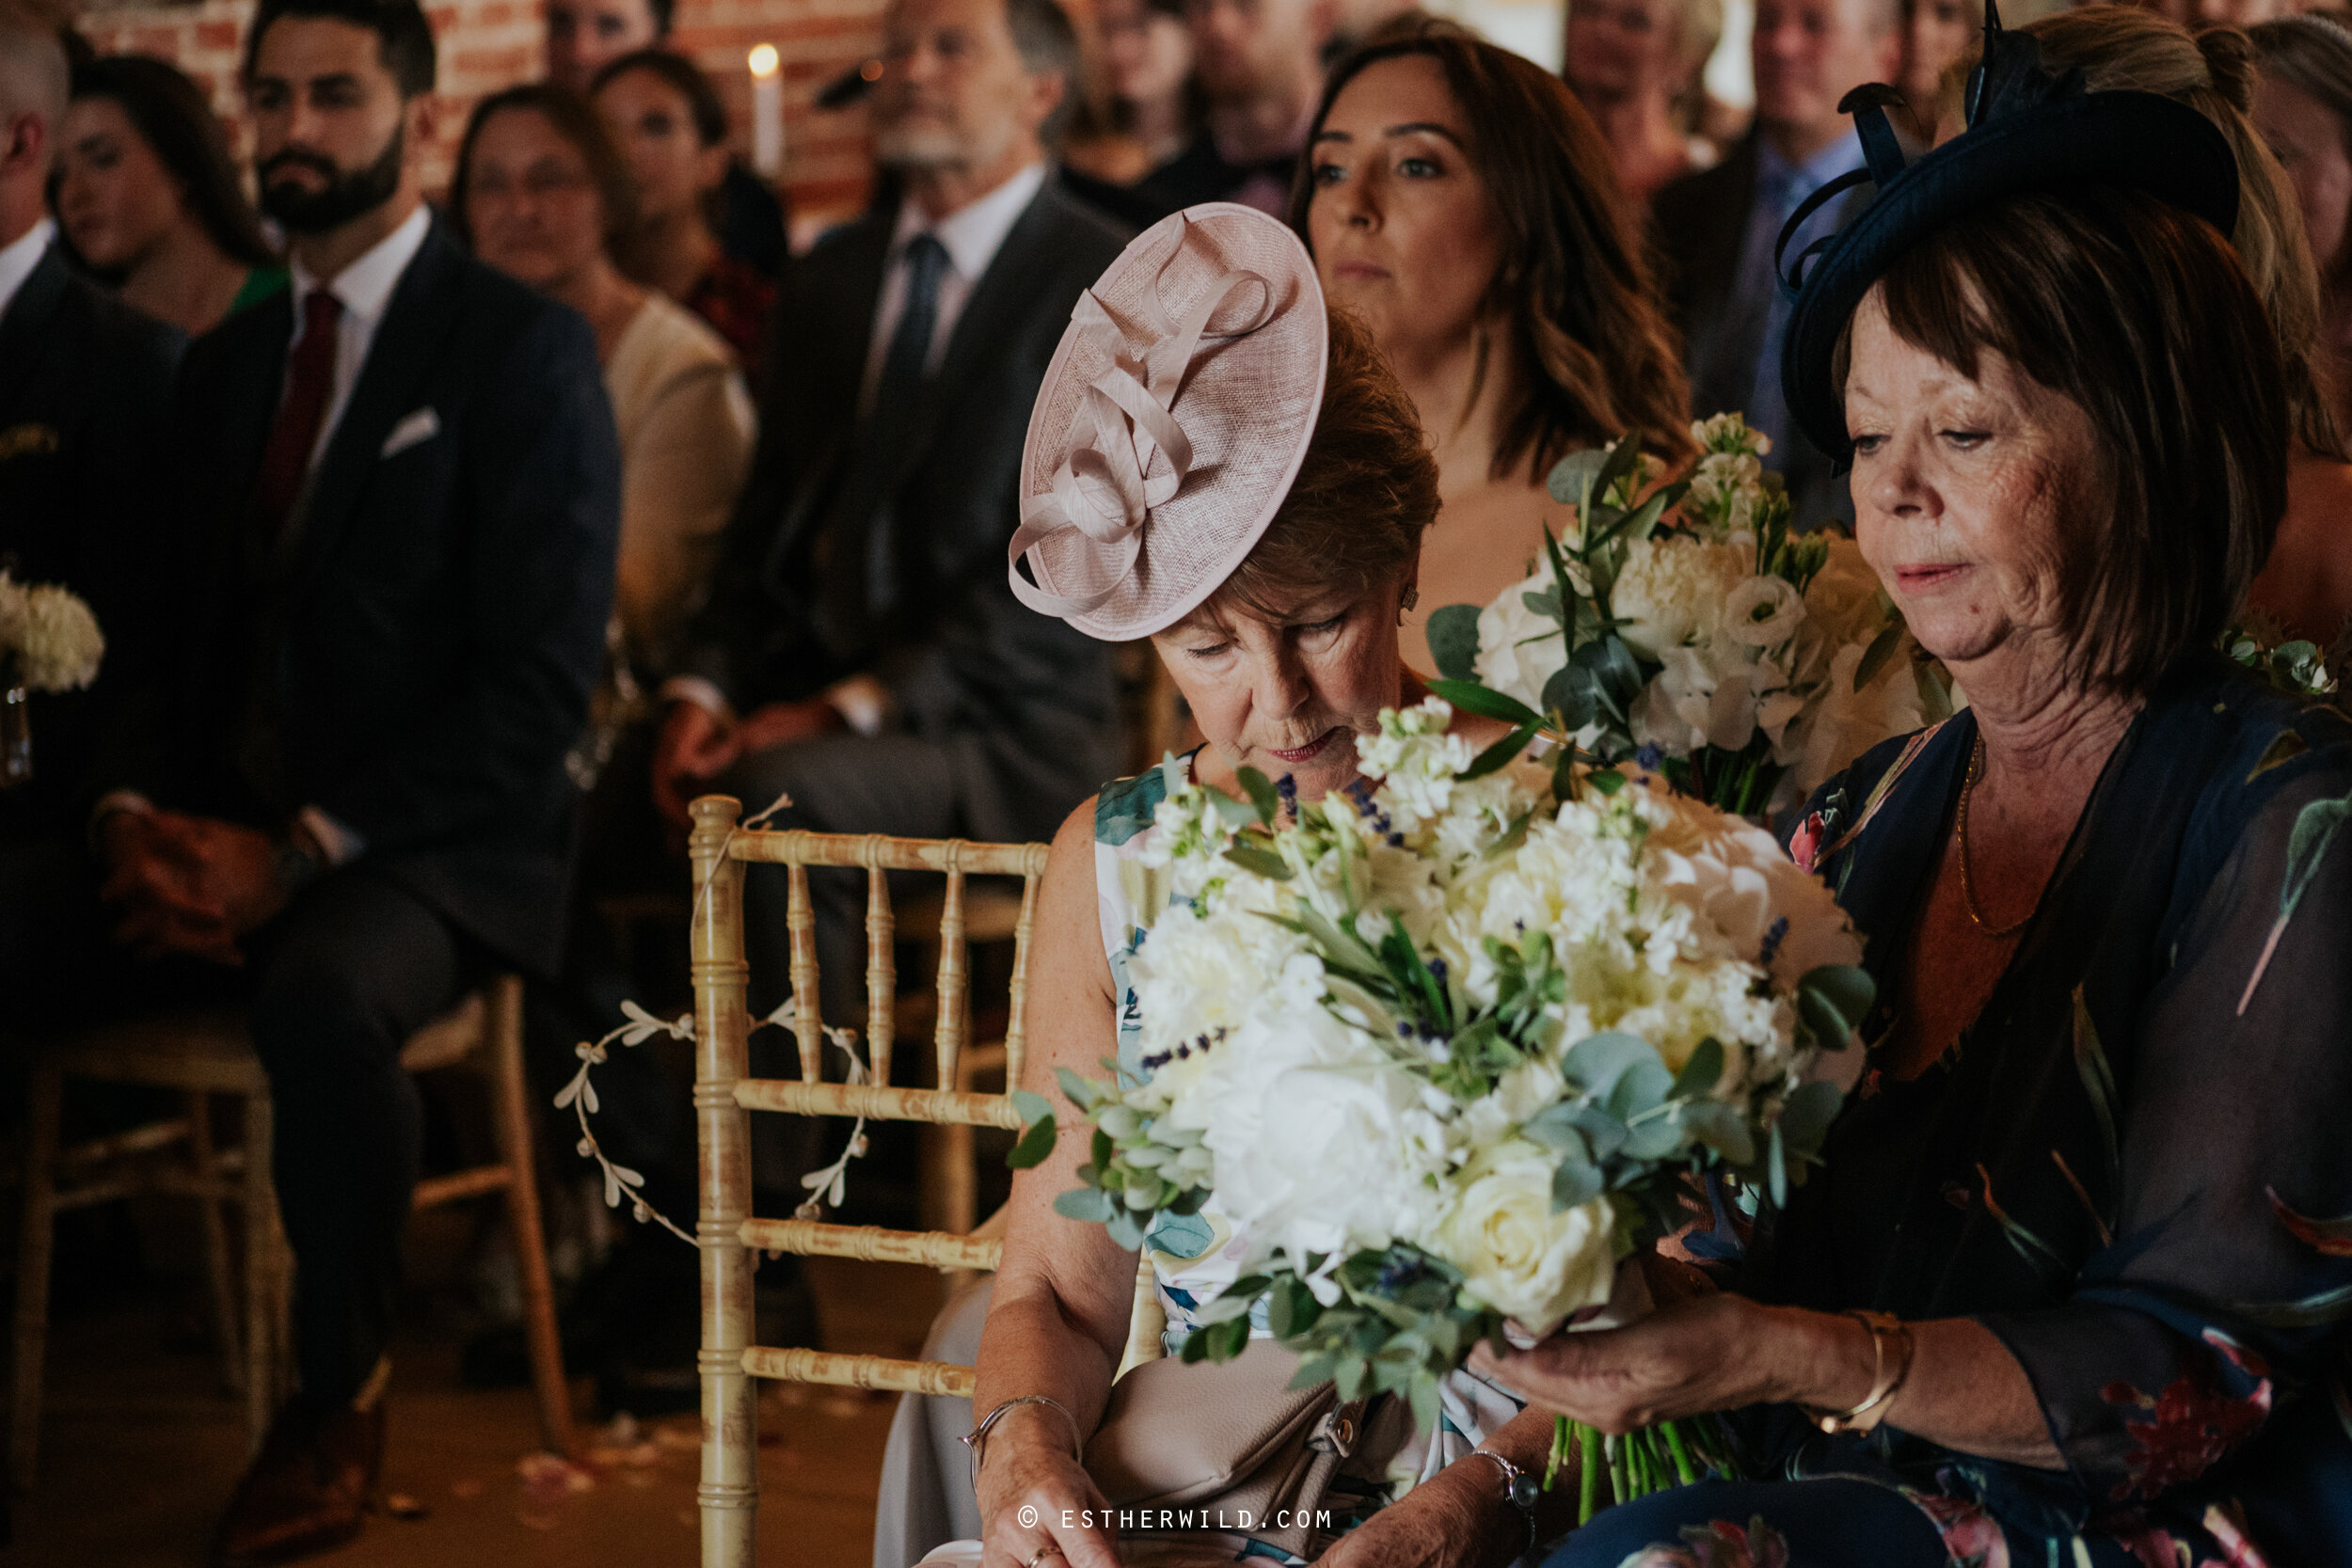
column 423, row 425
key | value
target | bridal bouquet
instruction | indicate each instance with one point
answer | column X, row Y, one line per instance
column 1686, row 623
column 1443, row 1051
column 49, row 640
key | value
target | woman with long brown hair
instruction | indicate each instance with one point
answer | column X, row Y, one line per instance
column 1461, row 203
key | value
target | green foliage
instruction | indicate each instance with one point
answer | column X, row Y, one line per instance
column 1452, row 633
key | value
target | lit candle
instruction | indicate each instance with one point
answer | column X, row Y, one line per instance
column 767, row 111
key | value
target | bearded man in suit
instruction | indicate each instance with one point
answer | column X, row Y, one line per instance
column 406, row 484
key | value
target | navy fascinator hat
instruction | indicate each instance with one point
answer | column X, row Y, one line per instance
column 2028, row 129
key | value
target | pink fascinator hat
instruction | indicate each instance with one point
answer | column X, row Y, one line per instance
column 1171, row 421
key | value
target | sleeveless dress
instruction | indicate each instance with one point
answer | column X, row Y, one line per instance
column 1191, row 1256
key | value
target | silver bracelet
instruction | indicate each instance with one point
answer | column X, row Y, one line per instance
column 1519, row 1489
column 977, row 1441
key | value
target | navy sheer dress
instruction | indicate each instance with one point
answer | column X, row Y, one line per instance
column 2134, row 1169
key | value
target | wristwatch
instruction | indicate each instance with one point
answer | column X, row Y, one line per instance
column 1519, row 1489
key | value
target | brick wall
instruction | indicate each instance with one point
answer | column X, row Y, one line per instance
column 487, row 44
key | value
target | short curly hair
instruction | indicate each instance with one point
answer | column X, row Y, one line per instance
column 1365, row 492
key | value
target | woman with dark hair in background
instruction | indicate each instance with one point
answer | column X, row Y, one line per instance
column 542, row 194
column 148, row 198
column 1635, row 66
column 673, row 130
column 1147, row 108
column 2303, row 109
column 1460, row 201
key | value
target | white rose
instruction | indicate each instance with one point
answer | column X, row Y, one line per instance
column 1518, row 1256
column 1519, row 650
column 1763, row 611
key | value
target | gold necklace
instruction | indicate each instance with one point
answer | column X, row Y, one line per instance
column 1967, row 894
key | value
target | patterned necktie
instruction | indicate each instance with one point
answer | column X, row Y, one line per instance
column 310, row 386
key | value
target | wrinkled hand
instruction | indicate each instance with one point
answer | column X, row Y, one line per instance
column 1704, row 1354
column 1452, row 1521
column 695, row 747
column 1034, row 1493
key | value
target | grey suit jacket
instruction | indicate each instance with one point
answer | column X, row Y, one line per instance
column 1026, row 708
column 1701, row 221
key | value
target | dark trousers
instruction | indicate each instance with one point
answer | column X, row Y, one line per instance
column 836, row 784
column 340, row 981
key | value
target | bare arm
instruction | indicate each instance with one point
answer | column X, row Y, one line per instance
column 1065, row 1292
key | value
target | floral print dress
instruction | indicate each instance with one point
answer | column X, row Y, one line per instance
column 2133, row 1169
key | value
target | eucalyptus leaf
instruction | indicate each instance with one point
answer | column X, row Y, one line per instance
column 1090, row 1204
column 1033, row 1107
column 1805, row 1116
column 1036, row 1144
column 1556, row 1129
column 1573, row 473
column 1833, row 1001
column 1640, row 1088
column 1452, row 633
column 1598, row 1061
column 1570, row 694
column 1721, row 1128
column 1082, row 1091
column 1546, row 604
column 1616, row 673
column 1652, row 1138
column 1574, row 1182
column 1702, row 1071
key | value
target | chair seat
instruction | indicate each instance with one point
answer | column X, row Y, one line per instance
column 211, row 1049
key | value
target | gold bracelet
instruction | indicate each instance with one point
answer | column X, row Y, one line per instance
column 1887, row 1375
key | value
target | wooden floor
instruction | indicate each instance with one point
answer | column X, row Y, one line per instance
column 140, row 1448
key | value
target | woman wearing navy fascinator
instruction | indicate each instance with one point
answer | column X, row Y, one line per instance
column 2068, row 1283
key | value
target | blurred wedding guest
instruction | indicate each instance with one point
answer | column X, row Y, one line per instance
column 1460, row 204
column 673, row 129
column 85, row 388
column 2305, row 590
column 585, row 36
column 401, row 493
column 148, row 196
column 1146, row 106
column 1635, row 66
column 1260, row 67
column 862, row 654
column 1717, row 228
column 2303, row 109
column 542, row 193
column 1936, row 33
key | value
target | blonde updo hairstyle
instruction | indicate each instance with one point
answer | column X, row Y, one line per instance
column 2124, row 49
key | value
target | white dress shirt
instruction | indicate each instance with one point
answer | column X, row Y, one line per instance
column 19, row 256
column 973, row 234
column 364, row 289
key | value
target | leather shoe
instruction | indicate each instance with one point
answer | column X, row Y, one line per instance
column 308, row 1488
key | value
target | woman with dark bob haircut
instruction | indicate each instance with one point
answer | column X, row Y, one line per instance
column 1460, row 202
column 2068, row 1283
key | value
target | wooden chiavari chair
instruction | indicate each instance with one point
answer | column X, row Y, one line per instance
column 725, row 1095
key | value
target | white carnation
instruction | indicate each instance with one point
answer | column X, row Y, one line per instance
column 1673, row 590
column 53, row 637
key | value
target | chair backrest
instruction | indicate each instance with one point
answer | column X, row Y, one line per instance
column 730, row 1236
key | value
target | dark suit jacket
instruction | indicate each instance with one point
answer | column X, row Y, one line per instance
column 85, row 388
column 417, row 655
column 1701, row 221
column 1025, row 707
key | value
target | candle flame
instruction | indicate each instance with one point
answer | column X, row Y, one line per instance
column 763, row 59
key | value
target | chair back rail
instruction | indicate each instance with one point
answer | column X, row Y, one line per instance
column 725, row 1094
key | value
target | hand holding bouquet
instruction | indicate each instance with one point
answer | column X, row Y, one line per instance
column 1445, row 1049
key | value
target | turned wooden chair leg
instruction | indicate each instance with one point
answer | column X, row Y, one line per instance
column 503, row 1026
column 217, row 1277
column 32, row 1271
column 264, row 1289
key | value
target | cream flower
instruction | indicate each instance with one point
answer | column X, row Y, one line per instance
column 1518, row 1257
column 54, row 637
column 1763, row 611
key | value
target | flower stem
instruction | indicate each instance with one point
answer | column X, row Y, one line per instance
column 1588, row 1493
column 1559, row 1451
column 1683, row 1466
